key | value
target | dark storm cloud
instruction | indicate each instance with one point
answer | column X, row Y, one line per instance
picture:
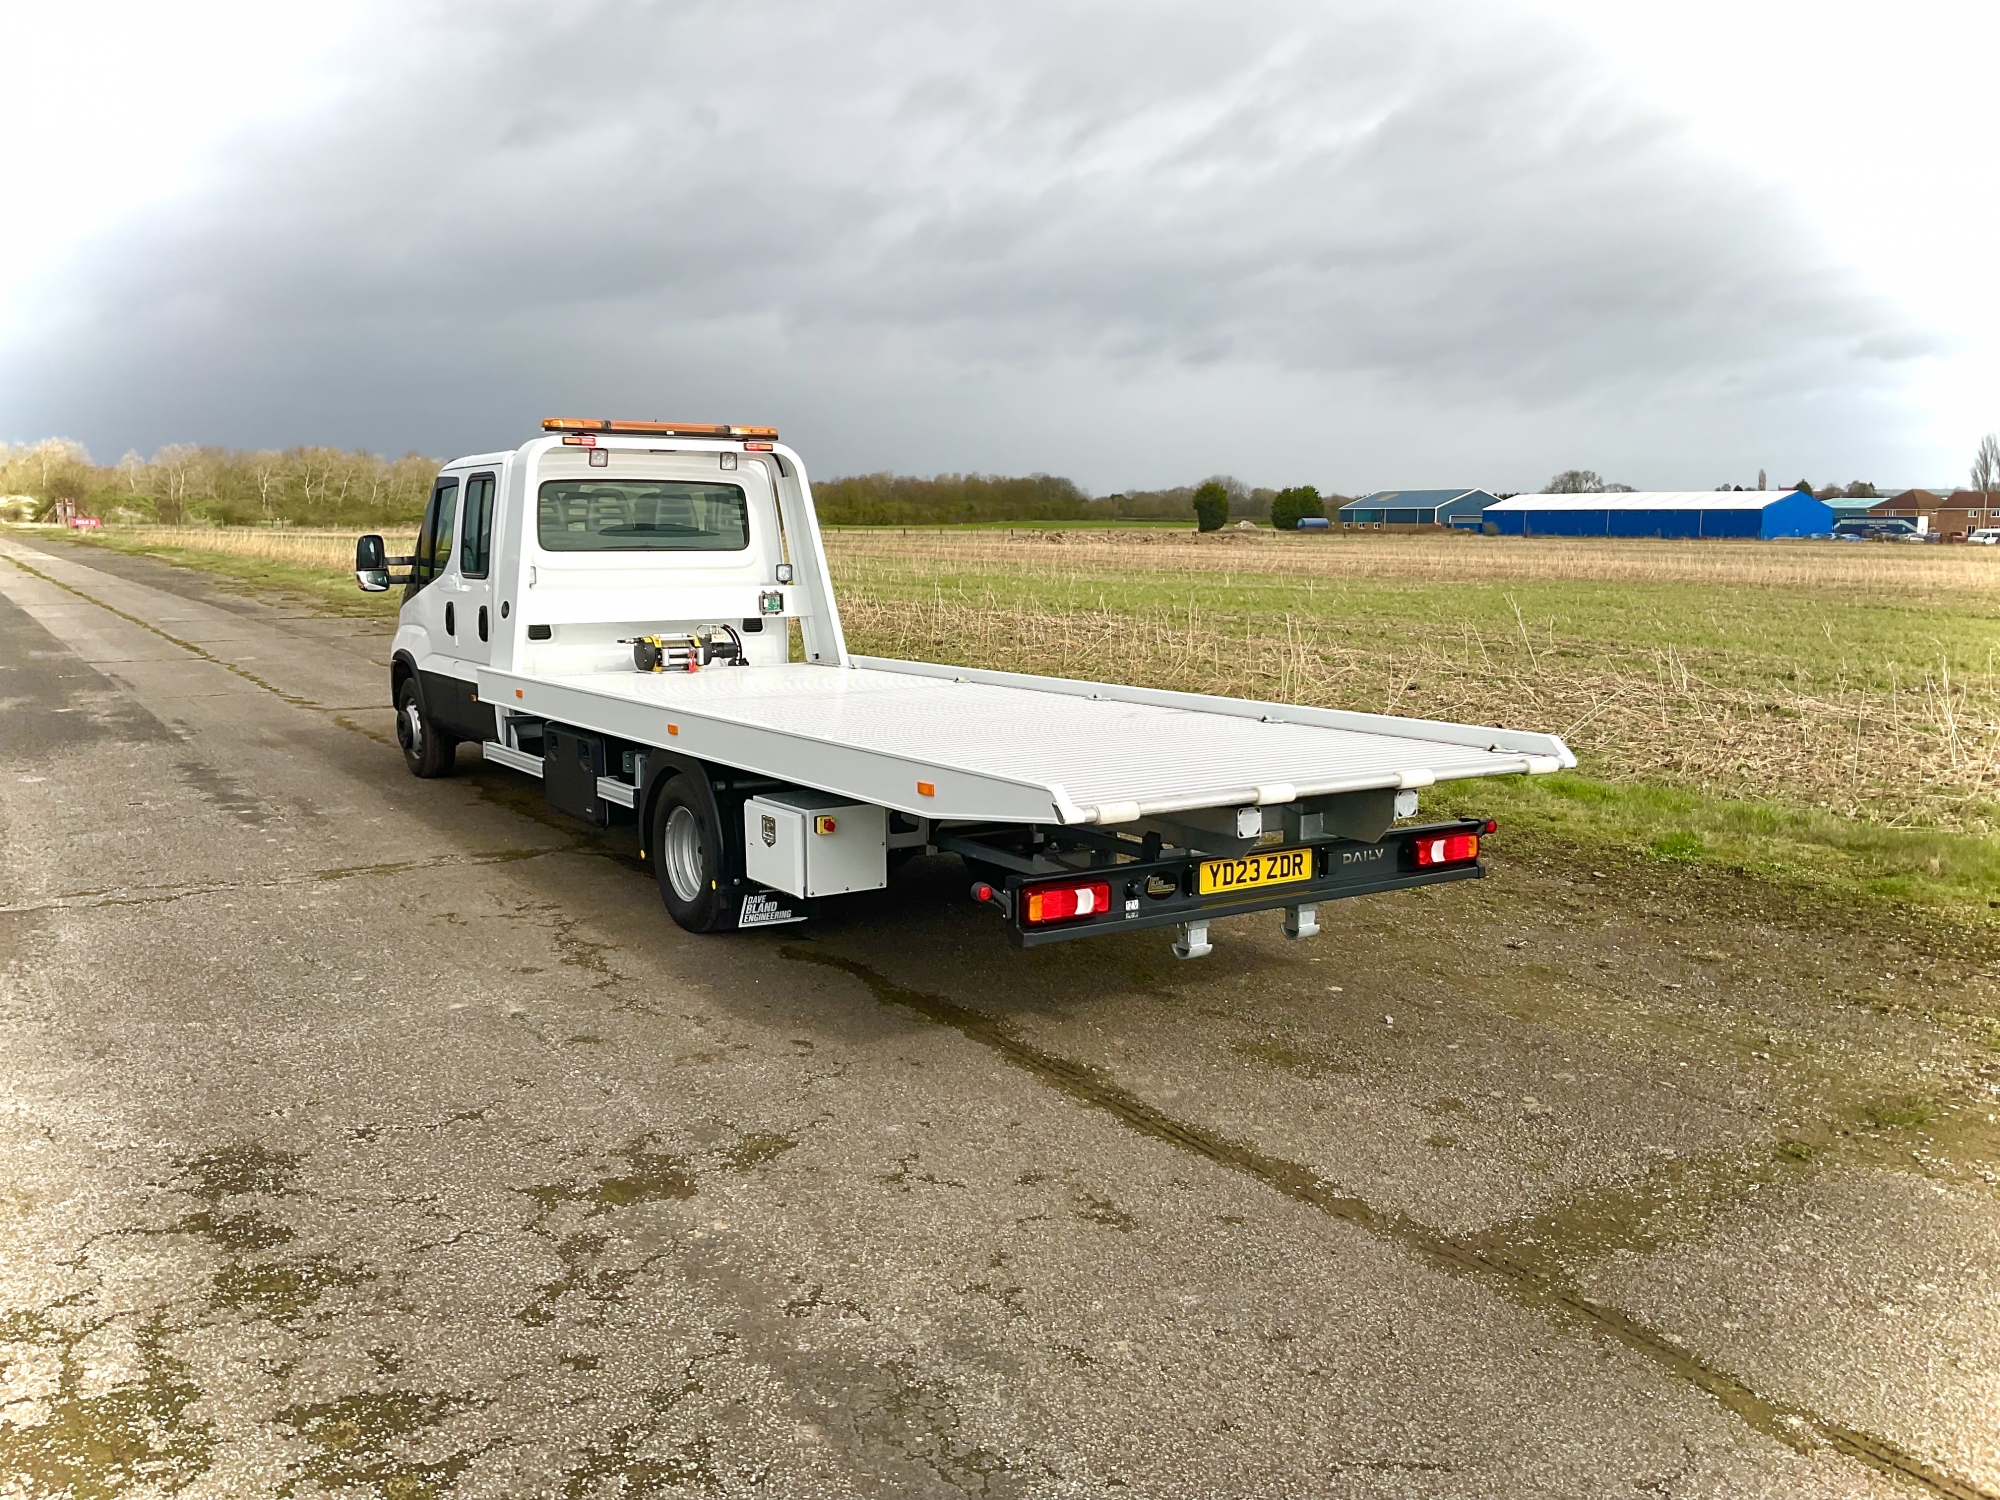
column 659, row 207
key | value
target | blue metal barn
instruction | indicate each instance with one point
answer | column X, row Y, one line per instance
column 1762, row 514
column 1416, row 508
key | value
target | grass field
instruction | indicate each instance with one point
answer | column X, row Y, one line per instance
column 1823, row 716
column 316, row 565
column 1109, row 523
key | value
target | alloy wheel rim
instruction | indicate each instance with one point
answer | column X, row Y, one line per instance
column 683, row 853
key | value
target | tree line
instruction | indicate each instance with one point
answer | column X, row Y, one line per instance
column 184, row 483
column 957, row 499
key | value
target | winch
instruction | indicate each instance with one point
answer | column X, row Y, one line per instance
column 686, row 652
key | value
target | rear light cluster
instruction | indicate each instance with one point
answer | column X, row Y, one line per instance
column 1452, row 849
column 1043, row 904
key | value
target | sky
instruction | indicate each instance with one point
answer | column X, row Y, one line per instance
column 1361, row 245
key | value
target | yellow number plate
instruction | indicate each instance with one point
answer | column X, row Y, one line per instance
column 1279, row 867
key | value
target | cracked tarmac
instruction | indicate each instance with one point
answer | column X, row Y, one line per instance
column 365, row 1136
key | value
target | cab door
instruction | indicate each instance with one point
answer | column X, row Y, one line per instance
column 436, row 607
column 463, row 605
column 424, row 603
column 471, row 579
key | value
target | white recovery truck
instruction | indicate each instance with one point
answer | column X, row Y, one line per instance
column 612, row 608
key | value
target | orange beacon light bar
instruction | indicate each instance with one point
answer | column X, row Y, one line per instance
column 657, row 429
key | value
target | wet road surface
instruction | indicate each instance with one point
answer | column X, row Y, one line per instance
column 364, row 1135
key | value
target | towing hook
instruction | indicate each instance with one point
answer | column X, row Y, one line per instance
column 1193, row 941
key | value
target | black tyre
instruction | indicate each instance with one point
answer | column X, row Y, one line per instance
column 689, row 860
column 427, row 750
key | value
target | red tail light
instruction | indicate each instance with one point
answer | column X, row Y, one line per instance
column 1452, row 849
column 1042, row 904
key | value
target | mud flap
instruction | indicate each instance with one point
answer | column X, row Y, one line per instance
column 769, row 908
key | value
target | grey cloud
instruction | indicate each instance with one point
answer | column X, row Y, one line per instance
column 666, row 207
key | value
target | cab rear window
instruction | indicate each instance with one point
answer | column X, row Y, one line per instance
column 641, row 515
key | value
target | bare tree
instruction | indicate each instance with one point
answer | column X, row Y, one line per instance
column 305, row 484
column 1584, row 482
column 177, row 474
column 268, row 470
column 52, row 456
column 1986, row 467
column 52, row 470
column 348, row 463
column 411, row 477
column 305, row 463
column 1574, row 482
column 317, row 469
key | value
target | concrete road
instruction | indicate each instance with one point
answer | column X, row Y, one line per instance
column 371, row 1136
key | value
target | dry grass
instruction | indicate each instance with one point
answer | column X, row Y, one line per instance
column 1733, row 715
column 1884, row 567
column 1167, row 554
column 329, row 551
column 1851, row 678
column 1926, row 751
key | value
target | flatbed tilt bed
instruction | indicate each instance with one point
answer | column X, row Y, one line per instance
column 613, row 606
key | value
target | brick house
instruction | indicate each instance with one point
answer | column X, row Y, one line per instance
column 1950, row 515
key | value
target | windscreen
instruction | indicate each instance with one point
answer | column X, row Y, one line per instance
column 642, row 515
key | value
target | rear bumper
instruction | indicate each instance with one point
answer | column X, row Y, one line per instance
column 1341, row 868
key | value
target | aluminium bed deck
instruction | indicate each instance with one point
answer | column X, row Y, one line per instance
column 952, row 743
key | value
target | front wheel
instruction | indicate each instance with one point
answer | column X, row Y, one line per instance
column 427, row 750
column 687, row 854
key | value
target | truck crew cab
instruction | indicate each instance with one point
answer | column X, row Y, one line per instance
column 640, row 614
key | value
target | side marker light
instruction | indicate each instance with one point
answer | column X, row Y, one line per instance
column 926, row 789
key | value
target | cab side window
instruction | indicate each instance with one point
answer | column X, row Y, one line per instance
column 434, row 541
column 476, row 546
column 447, row 517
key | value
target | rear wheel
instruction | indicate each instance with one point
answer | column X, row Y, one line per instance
column 688, row 859
column 427, row 750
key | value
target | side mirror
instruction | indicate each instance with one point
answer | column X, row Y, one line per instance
column 371, row 565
